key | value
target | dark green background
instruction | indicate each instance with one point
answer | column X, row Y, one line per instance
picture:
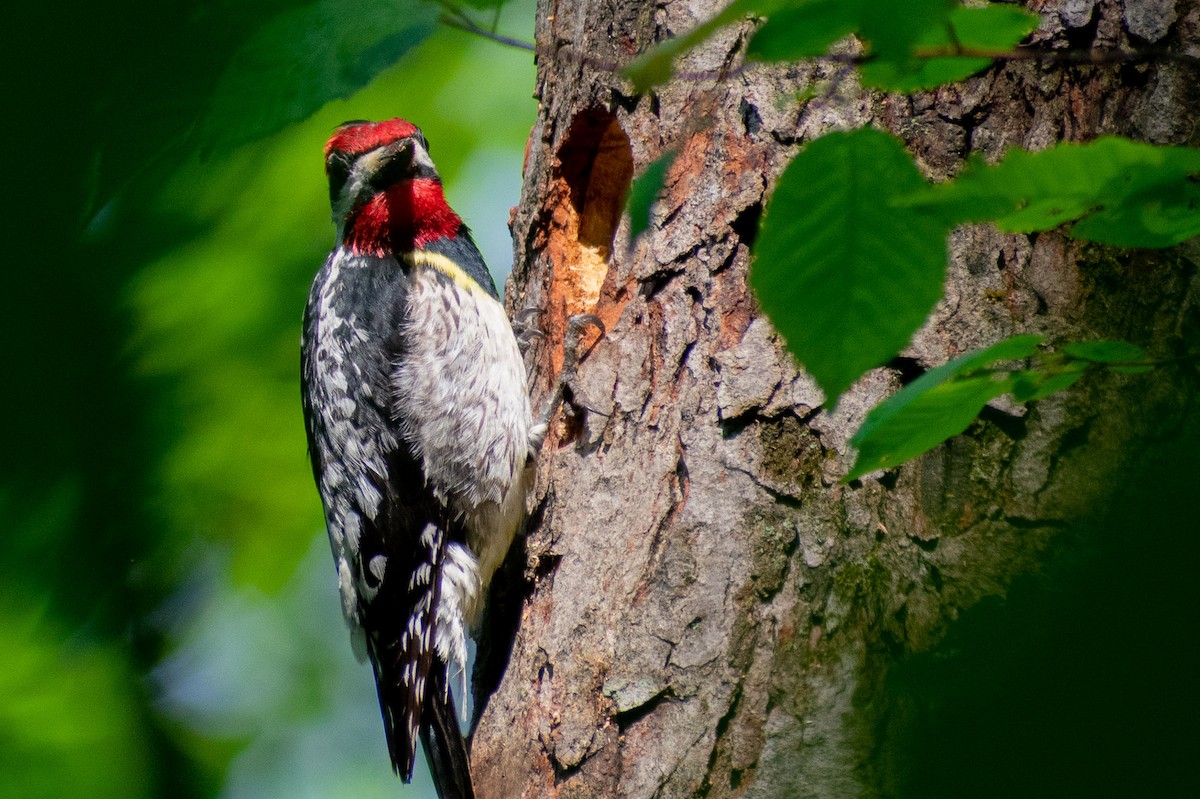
column 168, row 616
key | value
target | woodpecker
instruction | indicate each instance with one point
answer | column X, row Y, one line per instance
column 419, row 430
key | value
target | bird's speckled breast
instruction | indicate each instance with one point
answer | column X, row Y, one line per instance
column 453, row 389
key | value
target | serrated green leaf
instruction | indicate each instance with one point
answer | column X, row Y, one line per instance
column 934, row 407
column 645, row 190
column 989, row 28
column 845, row 278
column 926, row 421
column 306, row 57
column 804, row 31
column 1128, row 193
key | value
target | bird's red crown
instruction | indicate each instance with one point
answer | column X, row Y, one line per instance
column 356, row 138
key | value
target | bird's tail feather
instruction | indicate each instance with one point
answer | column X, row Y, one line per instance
column 445, row 748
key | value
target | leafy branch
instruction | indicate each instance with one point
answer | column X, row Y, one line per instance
column 944, row 401
column 851, row 251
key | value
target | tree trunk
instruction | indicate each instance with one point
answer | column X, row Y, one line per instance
column 706, row 610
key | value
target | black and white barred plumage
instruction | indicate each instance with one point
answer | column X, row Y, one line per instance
column 419, row 429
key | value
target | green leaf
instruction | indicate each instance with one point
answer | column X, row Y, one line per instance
column 996, row 26
column 845, row 278
column 1105, row 351
column 1119, row 356
column 803, row 31
column 896, row 35
column 893, row 33
column 645, row 190
column 924, row 422
column 806, row 28
column 653, row 67
column 939, row 404
column 893, row 29
column 1159, row 216
column 1036, row 384
column 306, row 57
column 915, row 74
column 1127, row 193
column 988, row 28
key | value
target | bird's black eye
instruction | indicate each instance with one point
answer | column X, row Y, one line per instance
column 337, row 168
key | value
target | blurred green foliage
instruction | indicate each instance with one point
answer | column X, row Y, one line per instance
column 166, row 595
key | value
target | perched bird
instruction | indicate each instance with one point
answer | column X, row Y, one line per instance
column 419, row 429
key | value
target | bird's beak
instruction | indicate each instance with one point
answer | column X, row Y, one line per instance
column 399, row 156
column 394, row 158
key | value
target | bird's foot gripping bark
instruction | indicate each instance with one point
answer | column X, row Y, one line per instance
column 576, row 326
column 524, row 330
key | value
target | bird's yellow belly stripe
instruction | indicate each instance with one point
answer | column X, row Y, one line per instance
column 445, row 266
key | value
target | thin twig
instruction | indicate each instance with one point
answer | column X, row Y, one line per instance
column 461, row 22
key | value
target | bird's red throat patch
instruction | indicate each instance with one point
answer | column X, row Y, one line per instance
column 407, row 216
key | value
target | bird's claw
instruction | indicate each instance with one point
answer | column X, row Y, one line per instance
column 577, row 325
column 524, row 329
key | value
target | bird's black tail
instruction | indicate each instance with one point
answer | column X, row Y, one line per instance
column 445, row 748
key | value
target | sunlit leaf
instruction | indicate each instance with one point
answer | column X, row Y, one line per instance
column 996, row 25
column 992, row 27
column 844, row 277
column 939, row 404
column 924, row 422
column 645, row 190
column 805, row 30
column 1129, row 193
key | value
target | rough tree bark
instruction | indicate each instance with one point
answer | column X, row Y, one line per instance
column 706, row 611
